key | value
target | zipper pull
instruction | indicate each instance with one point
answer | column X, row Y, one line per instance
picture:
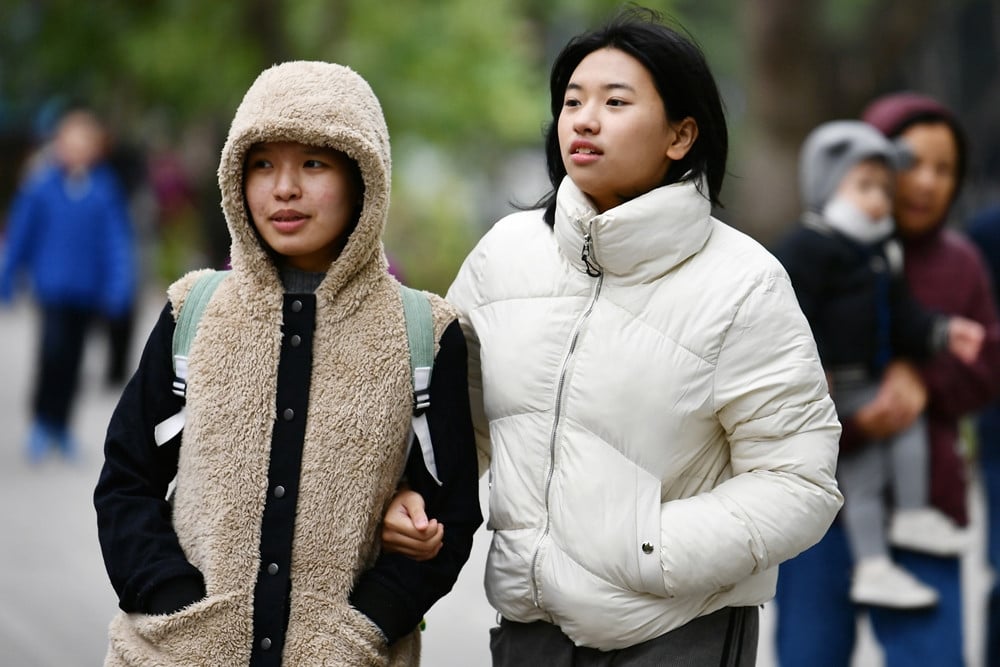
column 593, row 270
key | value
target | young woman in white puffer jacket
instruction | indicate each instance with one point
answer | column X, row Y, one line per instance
column 648, row 396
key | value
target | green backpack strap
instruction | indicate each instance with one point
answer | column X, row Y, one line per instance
column 420, row 336
column 184, row 330
column 191, row 311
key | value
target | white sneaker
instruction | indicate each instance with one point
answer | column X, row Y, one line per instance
column 928, row 531
column 879, row 582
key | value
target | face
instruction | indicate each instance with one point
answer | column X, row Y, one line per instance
column 867, row 185
column 924, row 191
column 79, row 141
column 616, row 140
column 302, row 200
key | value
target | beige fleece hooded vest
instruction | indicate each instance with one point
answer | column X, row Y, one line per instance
column 359, row 408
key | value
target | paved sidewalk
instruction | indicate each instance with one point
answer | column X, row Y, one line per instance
column 55, row 599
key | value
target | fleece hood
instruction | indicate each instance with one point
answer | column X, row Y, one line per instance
column 320, row 104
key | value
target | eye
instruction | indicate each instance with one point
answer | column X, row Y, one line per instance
column 571, row 102
column 616, row 102
column 258, row 163
column 943, row 169
column 314, row 164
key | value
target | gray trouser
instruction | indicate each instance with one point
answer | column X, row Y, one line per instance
column 898, row 464
column 725, row 638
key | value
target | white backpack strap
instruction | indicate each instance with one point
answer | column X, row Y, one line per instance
column 169, row 427
column 420, row 335
column 184, row 331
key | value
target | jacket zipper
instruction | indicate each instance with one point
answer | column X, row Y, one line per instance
column 593, row 270
column 587, row 255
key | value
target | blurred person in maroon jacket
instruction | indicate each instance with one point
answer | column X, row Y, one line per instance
column 816, row 619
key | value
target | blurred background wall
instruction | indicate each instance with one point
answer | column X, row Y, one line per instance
column 464, row 87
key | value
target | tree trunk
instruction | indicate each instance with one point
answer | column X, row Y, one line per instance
column 801, row 79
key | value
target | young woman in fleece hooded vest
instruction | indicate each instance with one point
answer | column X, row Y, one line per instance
column 297, row 415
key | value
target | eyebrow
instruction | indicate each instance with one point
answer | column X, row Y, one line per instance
column 607, row 86
column 308, row 149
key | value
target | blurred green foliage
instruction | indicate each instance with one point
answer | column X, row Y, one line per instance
column 447, row 70
column 464, row 87
column 462, row 80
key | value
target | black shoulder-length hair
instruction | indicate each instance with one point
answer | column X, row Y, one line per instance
column 683, row 80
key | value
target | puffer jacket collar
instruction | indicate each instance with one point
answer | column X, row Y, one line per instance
column 639, row 240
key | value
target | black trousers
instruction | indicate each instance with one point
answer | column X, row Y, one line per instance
column 60, row 356
column 725, row 638
column 120, row 331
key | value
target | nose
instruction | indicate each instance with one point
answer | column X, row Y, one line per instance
column 925, row 177
column 286, row 184
column 585, row 120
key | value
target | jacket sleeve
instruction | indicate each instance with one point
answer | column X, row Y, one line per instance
column 119, row 279
column 806, row 265
column 142, row 554
column 398, row 591
column 771, row 401
column 955, row 388
column 20, row 242
column 917, row 332
column 464, row 295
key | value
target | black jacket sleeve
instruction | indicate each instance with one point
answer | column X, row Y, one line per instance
column 147, row 567
column 398, row 591
column 917, row 332
column 804, row 255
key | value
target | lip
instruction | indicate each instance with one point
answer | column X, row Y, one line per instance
column 288, row 220
column 584, row 152
column 918, row 208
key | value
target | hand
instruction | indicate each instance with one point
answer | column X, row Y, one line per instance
column 901, row 398
column 406, row 529
column 965, row 338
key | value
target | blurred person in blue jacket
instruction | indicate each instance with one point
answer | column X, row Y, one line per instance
column 69, row 231
column 984, row 230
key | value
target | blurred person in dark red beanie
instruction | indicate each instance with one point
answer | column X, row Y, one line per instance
column 945, row 272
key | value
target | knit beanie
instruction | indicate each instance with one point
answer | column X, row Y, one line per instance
column 892, row 114
column 830, row 151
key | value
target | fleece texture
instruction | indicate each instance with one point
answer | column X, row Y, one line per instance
column 358, row 417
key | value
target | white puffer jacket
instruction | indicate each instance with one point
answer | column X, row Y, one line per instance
column 659, row 436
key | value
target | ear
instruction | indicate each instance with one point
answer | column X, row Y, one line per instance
column 685, row 134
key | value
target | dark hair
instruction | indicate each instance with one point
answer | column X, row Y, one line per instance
column 682, row 78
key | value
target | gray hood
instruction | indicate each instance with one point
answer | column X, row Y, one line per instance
column 832, row 149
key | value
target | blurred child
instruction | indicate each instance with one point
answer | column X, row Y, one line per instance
column 296, row 418
column 847, row 272
column 69, row 229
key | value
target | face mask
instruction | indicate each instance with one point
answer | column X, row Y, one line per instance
column 841, row 214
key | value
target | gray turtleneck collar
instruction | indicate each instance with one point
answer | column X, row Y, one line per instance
column 296, row 281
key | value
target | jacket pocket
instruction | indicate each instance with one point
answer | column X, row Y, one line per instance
column 216, row 630
column 332, row 633
column 606, row 515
